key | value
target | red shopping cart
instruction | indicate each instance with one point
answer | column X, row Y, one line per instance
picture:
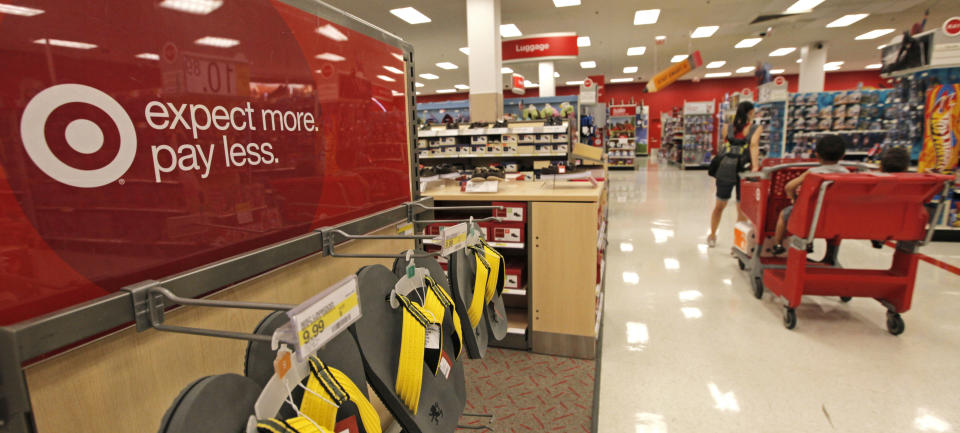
column 875, row 206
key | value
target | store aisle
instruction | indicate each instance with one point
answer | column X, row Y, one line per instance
column 688, row 349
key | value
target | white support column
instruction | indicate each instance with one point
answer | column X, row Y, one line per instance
column 812, row 75
column 483, row 39
column 548, row 84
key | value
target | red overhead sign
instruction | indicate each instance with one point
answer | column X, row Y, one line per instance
column 951, row 27
column 548, row 46
column 623, row 111
column 519, row 84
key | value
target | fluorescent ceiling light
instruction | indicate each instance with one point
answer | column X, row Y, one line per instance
column 780, row 52
column 65, row 44
column 330, row 57
column 395, row 93
column 746, row 69
column 636, row 51
column 875, row 66
column 429, row 76
column 418, row 93
column 846, row 20
column 410, row 15
column 19, row 10
column 529, row 84
column 392, row 69
column 678, row 58
column 648, row 16
column 461, row 86
column 716, row 64
column 465, row 50
column 509, row 31
column 589, row 64
column 565, row 3
column 704, row 31
column 621, row 80
column 630, row 70
column 799, row 60
column 873, row 34
column 748, row 42
column 386, row 78
column 777, row 71
column 196, row 7
column 418, row 84
column 582, row 41
column 802, row 6
column 216, row 41
column 661, row 38
column 447, row 91
column 506, row 70
column 446, row 65
column 397, row 56
column 717, row 75
column 556, row 74
column 331, row 32
column 832, row 66
column 574, row 83
column 148, row 56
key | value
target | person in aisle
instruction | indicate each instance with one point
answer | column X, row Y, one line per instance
column 892, row 160
column 741, row 148
column 830, row 150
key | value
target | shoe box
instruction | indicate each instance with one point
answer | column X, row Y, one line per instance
column 513, row 277
column 527, row 148
column 448, row 141
column 505, row 231
column 478, row 140
column 511, row 212
column 528, row 138
column 494, row 148
column 509, row 139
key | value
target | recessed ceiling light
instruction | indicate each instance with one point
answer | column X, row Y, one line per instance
column 509, row 31
column 556, row 74
column 506, row 70
column 704, row 31
column 19, row 10
column 802, row 6
column 148, row 56
column 832, row 66
column 873, row 34
column 446, row 65
column 392, row 69
column 875, row 66
column 648, row 16
column 331, row 32
column 777, row 71
column 429, row 76
column 447, row 91
column 636, row 51
column 418, row 84
column 589, row 64
column 465, row 50
column 529, row 84
column 196, row 7
column 330, row 57
column 799, row 60
column 65, row 44
column 846, row 20
column 630, row 70
column 574, row 83
column 461, row 86
column 410, row 15
column 746, row 69
column 716, row 64
column 621, row 80
column 565, row 3
column 780, row 52
column 678, row 58
column 215, row 41
column 748, row 42
column 717, row 75
column 386, row 78
column 583, row 41
column 661, row 38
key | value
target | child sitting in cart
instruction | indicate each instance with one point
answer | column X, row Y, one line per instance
column 893, row 160
column 829, row 150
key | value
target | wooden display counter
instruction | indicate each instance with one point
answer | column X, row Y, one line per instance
column 563, row 243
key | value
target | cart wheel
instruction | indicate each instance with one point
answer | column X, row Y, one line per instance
column 758, row 287
column 789, row 318
column 845, row 298
column 895, row 323
column 742, row 264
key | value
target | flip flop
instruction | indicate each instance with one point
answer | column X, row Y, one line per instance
column 462, row 276
column 214, row 404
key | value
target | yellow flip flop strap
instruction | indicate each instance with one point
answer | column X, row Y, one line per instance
column 292, row 425
column 438, row 302
column 475, row 311
column 339, row 388
column 303, row 425
column 412, row 347
column 495, row 260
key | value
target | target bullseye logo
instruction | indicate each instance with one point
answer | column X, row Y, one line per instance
column 82, row 135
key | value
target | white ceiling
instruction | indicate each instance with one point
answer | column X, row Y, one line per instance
column 609, row 23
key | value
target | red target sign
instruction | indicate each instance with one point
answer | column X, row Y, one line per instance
column 951, row 27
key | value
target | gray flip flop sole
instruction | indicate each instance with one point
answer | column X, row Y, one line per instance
column 495, row 311
column 213, row 404
column 462, row 275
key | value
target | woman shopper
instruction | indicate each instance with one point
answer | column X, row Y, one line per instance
column 740, row 149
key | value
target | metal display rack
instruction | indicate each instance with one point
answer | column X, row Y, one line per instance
column 621, row 137
column 698, row 129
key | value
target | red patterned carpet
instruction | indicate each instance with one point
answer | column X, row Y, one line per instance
column 527, row 392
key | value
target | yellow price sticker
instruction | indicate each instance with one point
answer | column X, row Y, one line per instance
column 316, row 328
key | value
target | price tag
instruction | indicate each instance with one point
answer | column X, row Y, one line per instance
column 445, row 366
column 432, row 338
column 453, row 238
column 484, row 186
column 555, row 129
column 524, row 130
column 325, row 315
column 405, row 228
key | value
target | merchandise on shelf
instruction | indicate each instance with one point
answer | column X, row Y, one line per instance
column 698, row 129
column 772, row 118
column 860, row 116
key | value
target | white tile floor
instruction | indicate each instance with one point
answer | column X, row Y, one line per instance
column 688, row 349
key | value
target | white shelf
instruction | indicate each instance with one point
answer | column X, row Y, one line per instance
column 508, row 245
column 492, row 155
column 551, row 129
column 517, row 292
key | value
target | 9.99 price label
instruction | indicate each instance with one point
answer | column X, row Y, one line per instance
column 453, row 239
column 324, row 316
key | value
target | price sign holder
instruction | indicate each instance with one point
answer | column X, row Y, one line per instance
column 324, row 316
column 453, row 239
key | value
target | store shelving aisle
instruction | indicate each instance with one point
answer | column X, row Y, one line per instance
column 687, row 348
